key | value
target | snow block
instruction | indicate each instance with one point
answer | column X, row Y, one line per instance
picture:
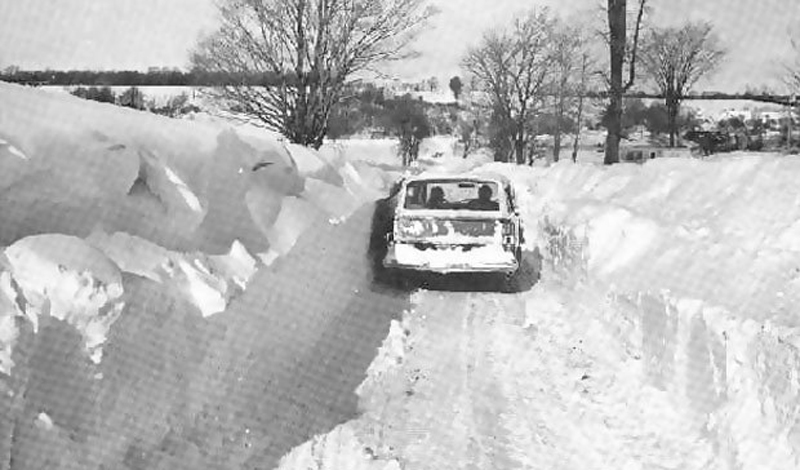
column 65, row 278
column 209, row 282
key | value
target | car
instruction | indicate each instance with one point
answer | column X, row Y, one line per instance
column 453, row 223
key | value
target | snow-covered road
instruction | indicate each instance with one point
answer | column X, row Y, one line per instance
column 218, row 312
column 486, row 380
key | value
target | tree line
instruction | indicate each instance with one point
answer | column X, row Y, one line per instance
column 198, row 77
column 289, row 64
column 529, row 74
column 133, row 97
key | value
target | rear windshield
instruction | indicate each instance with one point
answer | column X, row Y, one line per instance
column 448, row 194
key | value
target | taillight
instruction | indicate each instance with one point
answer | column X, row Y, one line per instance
column 391, row 236
column 509, row 237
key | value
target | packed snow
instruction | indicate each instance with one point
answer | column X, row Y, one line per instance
column 452, row 258
column 191, row 294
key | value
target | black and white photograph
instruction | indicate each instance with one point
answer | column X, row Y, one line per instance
column 399, row 235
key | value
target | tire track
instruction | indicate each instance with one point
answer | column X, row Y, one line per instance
column 452, row 407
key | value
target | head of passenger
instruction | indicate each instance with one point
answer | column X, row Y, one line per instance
column 485, row 193
column 436, row 198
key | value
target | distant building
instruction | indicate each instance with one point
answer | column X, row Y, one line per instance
column 639, row 152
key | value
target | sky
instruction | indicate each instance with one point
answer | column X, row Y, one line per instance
column 137, row 34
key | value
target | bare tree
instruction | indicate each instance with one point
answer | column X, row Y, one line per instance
column 619, row 52
column 675, row 58
column 467, row 131
column 581, row 89
column 791, row 79
column 310, row 48
column 570, row 64
column 791, row 75
column 513, row 66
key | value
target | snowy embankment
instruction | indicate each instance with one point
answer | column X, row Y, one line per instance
column 663, row 334
column 699, row 264
column 181, row 295
column 157, row 283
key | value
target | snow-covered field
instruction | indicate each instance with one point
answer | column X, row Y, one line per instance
column 159, row 94
column 181, row 294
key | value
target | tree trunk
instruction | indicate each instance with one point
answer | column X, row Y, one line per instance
column 579, row 117
column 519, row 140
column 519, row 149
column 578, row 129
column 556, row 145
column 559, row 118
column 617, row 23
column 672, row 112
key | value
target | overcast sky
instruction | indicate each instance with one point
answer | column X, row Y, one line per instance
column 135, row 34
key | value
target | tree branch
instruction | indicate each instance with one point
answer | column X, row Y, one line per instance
column 632, row 69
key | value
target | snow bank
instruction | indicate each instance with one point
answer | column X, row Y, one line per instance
column 272, row 370
column 180, row 184
column 696, row 262
column 664, row 314
column 146, row 332
column 138, row 326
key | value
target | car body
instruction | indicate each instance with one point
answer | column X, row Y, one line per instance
column 458, row 232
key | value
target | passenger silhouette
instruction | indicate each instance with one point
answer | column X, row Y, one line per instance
column 484, row 201
column 436, row 199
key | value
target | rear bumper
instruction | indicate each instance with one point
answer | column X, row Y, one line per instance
column 451, row 259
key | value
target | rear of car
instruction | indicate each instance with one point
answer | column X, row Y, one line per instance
column 455, row 224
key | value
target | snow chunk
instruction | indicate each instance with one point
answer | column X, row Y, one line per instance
column 64, row 277
column 131, row 254
column 238, row 264
column 194, row 280
column 209, row 282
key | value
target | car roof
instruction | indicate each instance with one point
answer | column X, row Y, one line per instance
column 471, row 175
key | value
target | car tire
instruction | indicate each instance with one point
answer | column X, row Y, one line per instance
column 525, row 276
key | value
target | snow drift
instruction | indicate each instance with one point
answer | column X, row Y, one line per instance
column 154, row 289
column 185, row 295
column 699, row 263
column 180, row 184
column 663, row 334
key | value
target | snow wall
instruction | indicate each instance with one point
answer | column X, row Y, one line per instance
column 697, row 267
column 691, row 270
column 175, row 294
column 155, row 308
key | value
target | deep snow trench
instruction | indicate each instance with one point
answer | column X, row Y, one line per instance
column 238, row 389
column 178, row 294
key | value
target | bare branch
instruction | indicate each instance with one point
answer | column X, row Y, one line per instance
column 310, row 48
column 676, row 58
column 632, row 68
column 515, row 67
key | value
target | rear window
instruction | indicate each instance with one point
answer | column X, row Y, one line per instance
column 448, row 194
